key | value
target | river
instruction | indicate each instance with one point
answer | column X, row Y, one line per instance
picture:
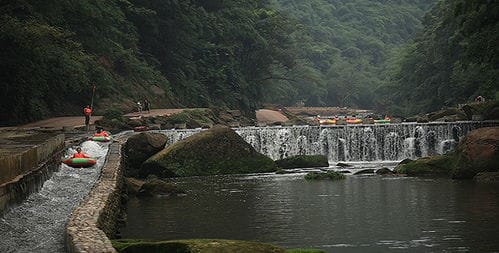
column 360, row 214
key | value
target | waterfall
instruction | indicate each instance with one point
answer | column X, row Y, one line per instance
column 383, row 142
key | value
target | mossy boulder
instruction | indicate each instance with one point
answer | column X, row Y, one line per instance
column 477, row 152
column 487, row 177
column 194, row 246
column 438, row 165
column 219, row 150
column 139, row 148
column 332, row 175
column 303, row 161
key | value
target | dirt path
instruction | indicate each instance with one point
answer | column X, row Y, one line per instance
column 270, row 116
column 60, row 122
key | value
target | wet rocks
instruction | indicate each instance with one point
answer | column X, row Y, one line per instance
column 139, row 148
column 303, row 161
column 219, row 150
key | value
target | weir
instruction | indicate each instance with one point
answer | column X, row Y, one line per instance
column 373, row 142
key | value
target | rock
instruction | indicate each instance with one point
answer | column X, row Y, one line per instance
column 384, row 171
column 303, row 161
column 477, row 152
column 405, row 161
column 195, row 245
column 438, row 165
column 332, row 175
column 344, row 165
column 139, row 148
column 365, row 171
column 487, row 177
column 133, row 185
column 219, row 150
column 345, row 171
column 157, row 187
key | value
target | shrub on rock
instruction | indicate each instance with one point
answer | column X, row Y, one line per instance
column 219, row 150
column 139, row 148
column 303, row 161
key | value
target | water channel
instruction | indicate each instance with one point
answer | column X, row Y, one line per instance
column 37, row 224
column 359, row 214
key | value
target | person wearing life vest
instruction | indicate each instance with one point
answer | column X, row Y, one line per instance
column 101, row 132
column 87, row 111
column 79, row 154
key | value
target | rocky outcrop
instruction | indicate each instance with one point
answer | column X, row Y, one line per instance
column 303, row 161
column 219, row 150
column 438, row 165
column 138, row 149
column 477, row 152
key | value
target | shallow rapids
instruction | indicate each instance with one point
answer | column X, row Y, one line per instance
column 37, row 224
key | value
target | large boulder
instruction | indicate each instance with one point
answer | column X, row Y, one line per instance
column 438, row 165
column 303, row 161
column 219, row 150
column 139, row 148
column 477, row 152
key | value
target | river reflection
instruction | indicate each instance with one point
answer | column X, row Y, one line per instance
column 359, row 214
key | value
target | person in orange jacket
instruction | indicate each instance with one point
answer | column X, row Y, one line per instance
column 87, row 111
column 79, row 154
column 101, row 132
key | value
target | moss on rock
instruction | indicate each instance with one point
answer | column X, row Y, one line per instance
column 333, row 175
column 139, row 148
column 219, row 150
column 303, row 161
column 438, row 165
column 195, row 246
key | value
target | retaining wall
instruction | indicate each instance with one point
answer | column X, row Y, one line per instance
column 25, row 172
column 93, row 221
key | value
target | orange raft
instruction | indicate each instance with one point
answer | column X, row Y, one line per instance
column 79, row 162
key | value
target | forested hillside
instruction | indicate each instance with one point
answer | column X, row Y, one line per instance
column 240, row 53
column 180, row 53
column 454, row 59
column 344, row 49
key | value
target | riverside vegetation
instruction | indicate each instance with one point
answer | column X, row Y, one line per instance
column 238, row 54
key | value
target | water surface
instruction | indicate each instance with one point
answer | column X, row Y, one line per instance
column 359, row 214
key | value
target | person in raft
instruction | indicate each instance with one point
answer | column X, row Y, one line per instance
column 79, row 154
column 101, row 132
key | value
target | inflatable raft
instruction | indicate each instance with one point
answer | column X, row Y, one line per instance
column 100, row 138
column 79, row 162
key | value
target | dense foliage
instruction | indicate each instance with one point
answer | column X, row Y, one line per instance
column 183, row 53
column 454, row 59
column 345, row 47
column 239, row 53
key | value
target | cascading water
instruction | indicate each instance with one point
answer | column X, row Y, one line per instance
column 387, row 142
column 37, row 224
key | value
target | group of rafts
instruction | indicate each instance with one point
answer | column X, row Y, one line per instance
column 81, row 160
column 351, row 120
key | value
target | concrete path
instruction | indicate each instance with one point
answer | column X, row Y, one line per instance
column 60, row 122
column 270, row 116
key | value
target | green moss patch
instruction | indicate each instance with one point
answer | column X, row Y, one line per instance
column 303, row 161
column 438, row 165
column 219, row 150
column 332, row 175
column 194, row 246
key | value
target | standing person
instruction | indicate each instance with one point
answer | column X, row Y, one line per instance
column 139, row 107
column 87, row 111
column 147, row 105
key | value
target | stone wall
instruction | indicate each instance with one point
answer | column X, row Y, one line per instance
column 24, row 172
column 93, row 222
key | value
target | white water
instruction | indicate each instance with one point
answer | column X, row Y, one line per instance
column 352, row 143
column 37, row 224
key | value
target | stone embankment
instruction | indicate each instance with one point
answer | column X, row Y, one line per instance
column 27, row 159
column 93, row 222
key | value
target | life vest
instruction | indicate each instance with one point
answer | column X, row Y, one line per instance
column 79, row 155
column 87, row 111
